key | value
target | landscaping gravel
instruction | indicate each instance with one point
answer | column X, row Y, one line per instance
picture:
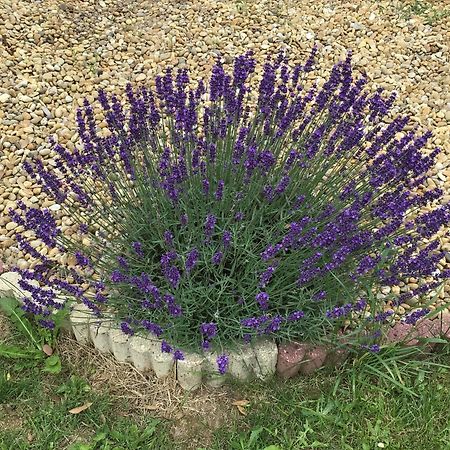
column 53, row 54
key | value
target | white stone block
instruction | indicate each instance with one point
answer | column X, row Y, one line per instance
column 79, row 319
column 242, row 362
column 162, row 363
column 266, row 352
column 119, row 344
column 140, row 352
column 9, row 284
column 189, row 371
column 99, row 333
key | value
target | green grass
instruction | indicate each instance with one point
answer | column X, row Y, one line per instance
column 425, row 9
column 34, row 414
column 355, row 409
column 396, row 400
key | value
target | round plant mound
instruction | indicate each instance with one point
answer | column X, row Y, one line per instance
column 211, row 215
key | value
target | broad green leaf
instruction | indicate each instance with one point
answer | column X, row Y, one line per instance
column 11, row 308
column 11, row 351
column 53, row 364
column 254, row 435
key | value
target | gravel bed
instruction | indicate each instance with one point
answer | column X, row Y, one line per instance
column 55, row 53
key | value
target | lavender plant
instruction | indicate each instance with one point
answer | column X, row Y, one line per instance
column 210, row 216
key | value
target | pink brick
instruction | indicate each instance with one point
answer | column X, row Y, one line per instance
column 401, row 332
column 290, row 357
column 443, row 325
column 315, row 359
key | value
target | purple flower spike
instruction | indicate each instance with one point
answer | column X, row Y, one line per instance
column 49, row 324
column 117, row 276
column 184, row 219
column 413, row 317
column 210, row 225
column 219, row 193
column 137, row 247
column 178, row 355
column 296, row 315
column 168, row 238
column 83, row 228
column 319, row 296
column 374, row 348
column 126, row 329
column 82, row 260
column 191, row 259
column 222, row 363
column 205, row 186
column 217, row 258
column 122, row 262
column 263, row 300
column 209, row 330
column 175, row 310
column 165, row 347
column 226, row 238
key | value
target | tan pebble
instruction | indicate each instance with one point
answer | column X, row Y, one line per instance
column 55, row 207
column 396, row 290
column 53, row 252
column 86, row 242
column 11, row 226
column 22, row 264
column 7, row 243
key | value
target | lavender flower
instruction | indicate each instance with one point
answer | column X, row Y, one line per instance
column 274, row 325
column 191, row 259
column 210, row 225
column 126, row 329
column 226, row 238
column 222, row 363
column 205, row 185
column 117, row 276
column 266, row 276
column 184, row 219
column 83, row 228
column 137, row 247
column 152, row 327
column 296, row 315
column 262, row 298
column 209, row 330
column 165, row 347
column 320, row 187
column 413, row 317
column 217, row 258
column 47, row 323
column 178, row 355
column 319, row 296
column 219, row 192
column 168, row 238
column 123, row 263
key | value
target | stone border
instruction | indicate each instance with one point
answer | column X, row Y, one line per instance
column 258, row 360
column 261, row 359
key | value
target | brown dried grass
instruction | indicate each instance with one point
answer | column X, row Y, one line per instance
column 194, row 416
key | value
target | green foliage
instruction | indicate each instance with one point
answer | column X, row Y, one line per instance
column 124, row 436
column 37, row 338
column 396, row 399
column 423, row 8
